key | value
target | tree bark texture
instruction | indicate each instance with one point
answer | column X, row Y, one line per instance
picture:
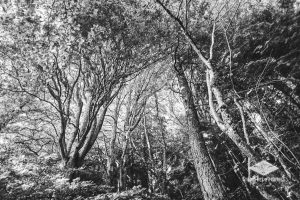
column 210, row 183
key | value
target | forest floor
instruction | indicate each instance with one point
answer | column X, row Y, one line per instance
column 24, row 178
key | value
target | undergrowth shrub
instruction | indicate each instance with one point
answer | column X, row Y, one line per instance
column 24, row 177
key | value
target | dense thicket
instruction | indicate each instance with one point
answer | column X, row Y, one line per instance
column 149, row 99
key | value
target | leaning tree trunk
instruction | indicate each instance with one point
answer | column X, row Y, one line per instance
column 210, row 183
column 224, row 121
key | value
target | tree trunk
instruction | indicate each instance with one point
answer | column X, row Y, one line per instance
column 111, row 157
column 147, row 154
column 86, row 142
column 164, row 185
column 210, row 183
column 225, row 121
column 225, row 124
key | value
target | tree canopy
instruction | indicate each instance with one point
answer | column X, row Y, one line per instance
column 151, row 99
